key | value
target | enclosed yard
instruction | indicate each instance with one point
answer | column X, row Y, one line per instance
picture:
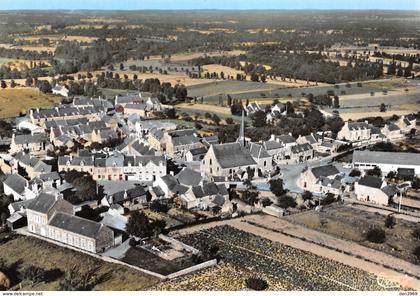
column 352, row 224
column 26, row 251
column 283, row 267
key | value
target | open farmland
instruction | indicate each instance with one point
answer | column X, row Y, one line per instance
column 256, row 90
column 26, row 251
column 19, row 100
column 245, row 254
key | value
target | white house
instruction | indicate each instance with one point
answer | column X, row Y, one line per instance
column 386, row 161
column 60, row 90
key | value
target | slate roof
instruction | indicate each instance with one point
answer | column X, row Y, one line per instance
column 188, row 177
column 76, row 224
column 231, row 155
column 257, row 151
column 392, row 127
column 157, row 134
column 406, row 172
column 50, row 176
column 272, row 145
column 358, row 125
column 390, row 190
column 285, row 139
column 378, row 157
column 311, row 139
column 29, row 139
column 170, row 181
column 131, row 194
column 301, row 148
column 42, row 203
column 181, row 133
column 142, row 149
column 211, row 140
column 324, row 171
column 185, row 140
column 16, row 182
column 198, row 151
column 370, row 181
column 144, row 160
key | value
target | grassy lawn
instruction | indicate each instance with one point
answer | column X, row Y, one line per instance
column 352, row 224
column 14, row 101
column 25, row 251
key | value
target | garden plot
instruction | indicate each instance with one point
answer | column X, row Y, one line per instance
column 352, row 224
column 294, row 269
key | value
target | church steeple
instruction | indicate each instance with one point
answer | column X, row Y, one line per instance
column 241, row 138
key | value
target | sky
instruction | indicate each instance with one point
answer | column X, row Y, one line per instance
column 209, row 4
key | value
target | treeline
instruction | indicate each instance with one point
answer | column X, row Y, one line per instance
column 18, row 53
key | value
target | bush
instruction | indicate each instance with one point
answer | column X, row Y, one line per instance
column 307, row 195
column 132, row 242
column 416, row 252
column 266, row 202
column 390, row 221
column 276, row 187
column 355, row 173
column 376, row 235
column 157, row 206
column 256, row 284
column 286, row 201
column 416, row 233
column 34, row 274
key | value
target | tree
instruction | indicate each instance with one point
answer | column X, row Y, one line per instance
column 416, row 233
column 170, row 113
column 416, row 252
column 158, row 206
column 382, row 108
column 256, row 284
column 276, row 187
column 139, row 225
column 286, row 201
column 258, row 119
column 336, row 102
column 376, row 235
column 355, row 173
column 307, row 195
column 376, row 172
column 44, row 86
column 34, row 274
column 216, row 119
column 390, row 221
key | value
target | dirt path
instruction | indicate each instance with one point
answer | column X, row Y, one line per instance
column 315, row 242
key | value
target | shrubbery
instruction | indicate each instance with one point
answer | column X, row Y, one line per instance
column 256, row 284
column 376, row 235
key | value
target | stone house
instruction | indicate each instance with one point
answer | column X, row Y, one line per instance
column 354, row 131
column 34, row 144
column 407, row 123
column 392, row 132
column 227, row 160
column 52, row 217
column 374, row 190
column 321, row 180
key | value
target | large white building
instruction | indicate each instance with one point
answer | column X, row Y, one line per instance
column 386, row 161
